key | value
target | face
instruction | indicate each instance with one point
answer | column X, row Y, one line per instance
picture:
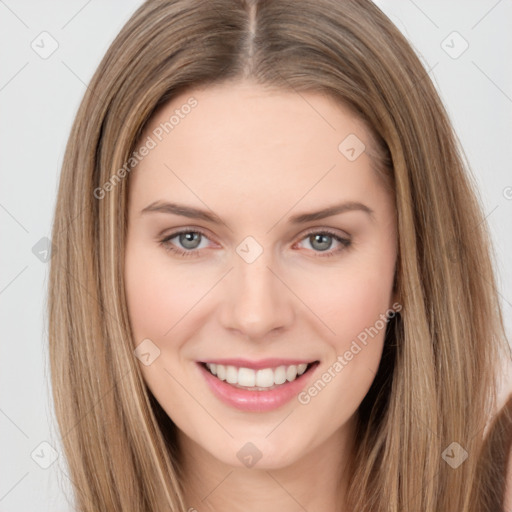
column 225, row 264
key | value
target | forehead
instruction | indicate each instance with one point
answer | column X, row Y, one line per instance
column 249, row 142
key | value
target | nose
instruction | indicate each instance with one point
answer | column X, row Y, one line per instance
column 255, row 299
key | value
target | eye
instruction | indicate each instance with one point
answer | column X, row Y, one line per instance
column 190, row 240
column 322, row 241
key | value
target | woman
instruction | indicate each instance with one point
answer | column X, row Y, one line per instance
column 346, row 359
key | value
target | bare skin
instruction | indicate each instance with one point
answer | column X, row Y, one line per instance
column 256, row 157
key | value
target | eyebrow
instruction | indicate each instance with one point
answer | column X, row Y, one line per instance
column 196, row 213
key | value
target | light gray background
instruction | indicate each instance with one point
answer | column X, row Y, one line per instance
column 38, row 101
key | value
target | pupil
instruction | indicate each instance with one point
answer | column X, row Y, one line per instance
column 323, row 245
column 187, row 239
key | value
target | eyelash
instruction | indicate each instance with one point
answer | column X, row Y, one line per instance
column 165, row 242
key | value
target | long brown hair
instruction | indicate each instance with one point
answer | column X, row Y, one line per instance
column 437, row 380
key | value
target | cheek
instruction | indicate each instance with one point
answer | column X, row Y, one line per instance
column 364, row 299
column 158, row 294
column 356, row 311
column 353, row 304
column 157, row 299
column 354, row 300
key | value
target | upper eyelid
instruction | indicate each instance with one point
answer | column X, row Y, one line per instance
column 185, row 230
column 309, row 231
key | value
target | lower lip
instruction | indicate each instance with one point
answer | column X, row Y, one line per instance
column 256, row 401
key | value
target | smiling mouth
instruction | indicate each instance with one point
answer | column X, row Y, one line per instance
column 264, row 379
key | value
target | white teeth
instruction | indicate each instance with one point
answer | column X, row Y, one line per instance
column 221, row 372
column 280, row 375
column 301, row 368
column 231, row 374
column 264, row 378
column 246, row 377
column 291, row 372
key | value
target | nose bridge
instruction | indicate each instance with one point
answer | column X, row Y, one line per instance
column 256, row 301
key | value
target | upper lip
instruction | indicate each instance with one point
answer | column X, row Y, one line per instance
column 257, row 365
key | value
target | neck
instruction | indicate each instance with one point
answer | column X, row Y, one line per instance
column 317, row 480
